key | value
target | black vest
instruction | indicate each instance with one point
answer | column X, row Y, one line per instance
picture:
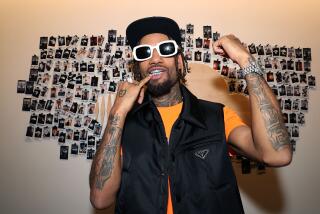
column 196, row 161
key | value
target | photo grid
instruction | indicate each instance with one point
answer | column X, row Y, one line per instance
column 69, row 74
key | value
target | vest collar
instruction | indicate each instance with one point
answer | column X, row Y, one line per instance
column 191, row 111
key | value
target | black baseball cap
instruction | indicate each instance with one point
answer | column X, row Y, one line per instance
column 155, row 24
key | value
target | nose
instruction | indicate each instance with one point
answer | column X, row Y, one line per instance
column 155, row 58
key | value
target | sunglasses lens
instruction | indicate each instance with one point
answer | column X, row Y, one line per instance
column 143, row 52
column 167, row 48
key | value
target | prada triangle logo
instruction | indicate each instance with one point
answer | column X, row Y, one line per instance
column 202, row 153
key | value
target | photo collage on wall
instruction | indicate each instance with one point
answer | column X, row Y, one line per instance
column 69, row 74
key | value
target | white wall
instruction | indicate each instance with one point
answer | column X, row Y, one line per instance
column 34, row 180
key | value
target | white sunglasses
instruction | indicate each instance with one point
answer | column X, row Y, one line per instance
column 166, row 48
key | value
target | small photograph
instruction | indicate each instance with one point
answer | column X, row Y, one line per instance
column 64, row 151
column 61, row 41
column 108, row 47
column 282, row 90
column 307, row 54
column 287, row 104
column 199, row 42
column 52, row 41
column 58, row 104
column 120, row 41
column 50, row 53
column 291, row 53
column 268, row 50
column 69, row 97
column 225, row 70
column 215, row 36
column 38, row 132
column 206, row 43
column 217, row 65
column 260, row 50
column 49, row 118
column 289, row 90
column 190, row 28
column 290, row 64
column 41, row 119
column 33, row 75
column 83, row 148
column 294, row 77
column 61, row 123
column 74, row 107
column 81, row 109
column 298, row 52
column 33, row 119
column 307, row 66
column 54, row 131
column 62, row 137
column 90, row 153
column 43, row 54
column 21, row 86
column 207, row 57
column 76, row 135
column 30, row 131
column 98, row 142
column 74, row 40
column 283, row 51
column 305, row 91
column 92, row 125
column 86, row 80
column 283, row 64
column 68, row 40
column 275, row 51
column 232, row 73
column 33, row 106
column 91, row 140
column 311, row 81
column 68, row 121
column 274, row 89
column 91, row 67
column 252, row 48
column 296, row 105
column 112, row 86
column 100, row 40
column 292, row 118
column 83, row 134
column 66, row 53
column 112, row 36
column 94, row 81
column 304, row 104
column 183, row 35
column 279, row 77
column 188, row 54
column 61, row 90
column 189, row 42
column 91, row 52
column 298, row 65
column 207, row 32
column 97, row 129
column 296, row 90
column 240, row 86
column 77, row 122
column 232, row 86
column 43, row 43
column 73, row 53
column 85, row 95
column 301, row 118
column 69, row 134
column 267, row 63
column 84, row 40
column 93, row 40
column 295, row 131
column 91, row 108
column 34, row 60
column 58, row 53
column 74, row 149
column 286, row 77
column 49, row 104
column 303, row 78
column 46, row 132
column 86, row 120
column 26, row 104
column 197, row 56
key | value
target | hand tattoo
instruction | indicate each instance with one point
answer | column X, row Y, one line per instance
column 122, row 92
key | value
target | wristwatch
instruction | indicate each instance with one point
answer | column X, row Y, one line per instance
column 253, row 67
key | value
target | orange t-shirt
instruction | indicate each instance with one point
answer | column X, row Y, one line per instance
column 170, row 114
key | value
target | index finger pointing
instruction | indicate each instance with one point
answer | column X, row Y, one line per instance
column 144, row 81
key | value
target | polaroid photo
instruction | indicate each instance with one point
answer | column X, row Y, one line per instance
column 61, row 123
column 298, row 53
column 100, row 40
column 92, row 124
column 52, row 41
column 61, row 41
column 286, row 77
column 303, row 78
column 54, row 131
column 74, row 40
column 49, row 104
column 83, row 134
column 290, row 64
column 68, row 40
column 34, row 60
column 305, row 91
column 93, row 40
column 279, row 77
column 225, row 70
column 74, row 107
column 46, row 132
column 291, row 53
column 207, row 32
column 91, row 52
column 188, row 54
column 49, row 118
column 94, row 81
column 69, row 134
column 26, row 104
column 21, row 86
column 283, row 51
column 292, row 118
column 268, row 50
column 84, row 40
column 97, row 129
column 118, row 54
column 43, row 54
column 197, row 56
column 66, row 53
column 112, row 86
column 183, row 34
column 82, row 52
column 275, row 51
column 190, row 28
column 296, row 91
column 90, row 153
column 282, row 90
column 296, row 105
column 232, row 86
column 76, row 135
column 73, row 53
column 199, row 42
column 252, row 48
column 33, row 106
column 189, row 42
column 83, row 148
column 86, row 120
column 90, row 108
column 240, row 86
column 86, row 80
column 108, row 47
column 33, row 75
column 100, row 53
column 58, row 104
column 289, row 90
column 43, row 44
column 260, row 50
column 68, row 121
column 306, row 54
column 91, row 140
column 267, row 63
column 304, row 104
column 301, row 118
column 38, row 132
column 295, row 131
column 70, row 84
column 74, row 149
column 81, row 109
column 77, row 122
column 207, row 57
column 274, row 89
column 287, row 104
column 206, row 43
column 64, row 151
column 58, row 53
column 294, row 77
column 41, row 119
column 33, row 119
column 30, row 131
column 311, row 81
column 120, row 41
column 215, row 36
column 307, row 66
column 112, row 36
column 85, row 94
column 62, row 137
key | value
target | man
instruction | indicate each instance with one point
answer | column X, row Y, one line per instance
column 173, row 155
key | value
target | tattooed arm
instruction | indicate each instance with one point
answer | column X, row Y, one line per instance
column 105, row 174
column 267, row 140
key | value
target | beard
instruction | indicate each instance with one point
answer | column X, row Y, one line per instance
column 158, row 90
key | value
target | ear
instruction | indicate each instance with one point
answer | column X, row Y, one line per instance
column 180, row 62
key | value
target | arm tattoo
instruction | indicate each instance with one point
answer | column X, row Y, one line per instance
column 106, row 154
column 271, row 114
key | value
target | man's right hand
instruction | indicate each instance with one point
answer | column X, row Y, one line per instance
column 128, row 94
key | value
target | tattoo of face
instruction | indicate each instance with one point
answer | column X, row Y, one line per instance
column 272, row 116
